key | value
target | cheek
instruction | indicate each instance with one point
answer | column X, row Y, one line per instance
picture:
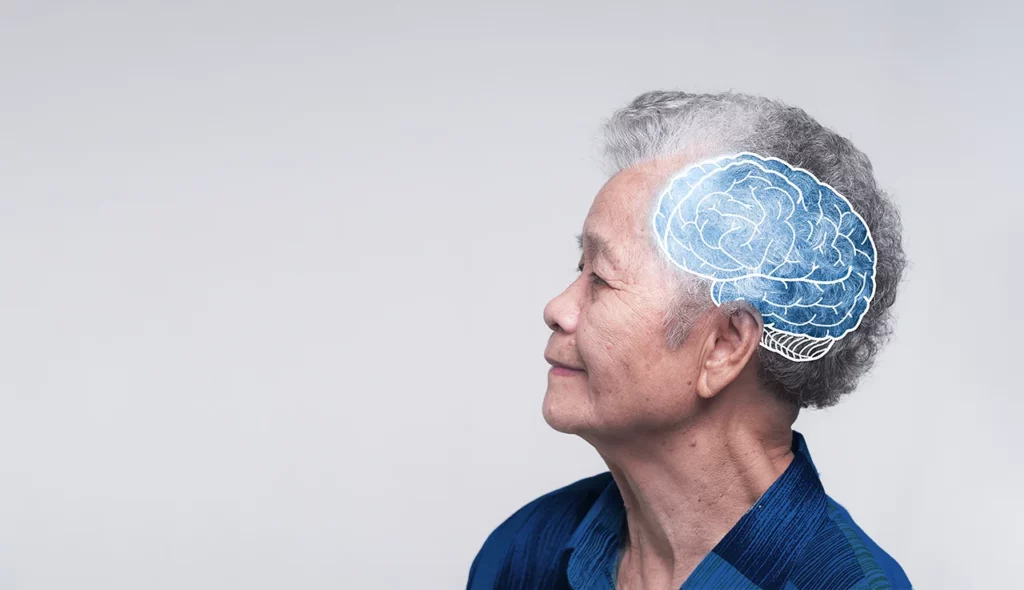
column 618, row 344
column 630, row 372
column 596, row 335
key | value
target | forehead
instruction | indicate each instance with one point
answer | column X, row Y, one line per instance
column 621, row 211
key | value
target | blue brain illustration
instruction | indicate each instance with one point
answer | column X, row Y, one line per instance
column 775, row 236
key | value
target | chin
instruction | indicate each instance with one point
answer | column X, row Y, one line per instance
column 566, row 410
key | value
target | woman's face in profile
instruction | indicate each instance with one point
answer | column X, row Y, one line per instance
column 608, row 325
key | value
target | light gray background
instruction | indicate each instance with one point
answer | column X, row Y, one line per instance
column 272, row 274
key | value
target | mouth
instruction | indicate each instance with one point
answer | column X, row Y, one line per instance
column 558, row 368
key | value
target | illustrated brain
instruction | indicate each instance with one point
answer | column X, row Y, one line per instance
column 775, row 236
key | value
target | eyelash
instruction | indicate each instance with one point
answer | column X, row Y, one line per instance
column 596, row 280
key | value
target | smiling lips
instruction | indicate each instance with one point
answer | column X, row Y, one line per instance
column 558, row 368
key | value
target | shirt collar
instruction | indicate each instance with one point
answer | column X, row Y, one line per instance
column 595, row 542
column 762, row 545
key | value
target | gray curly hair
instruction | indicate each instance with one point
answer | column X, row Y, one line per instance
column 663, row 124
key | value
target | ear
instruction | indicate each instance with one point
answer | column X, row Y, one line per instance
column 733, row 339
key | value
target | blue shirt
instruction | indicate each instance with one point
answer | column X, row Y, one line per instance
column 794, row 538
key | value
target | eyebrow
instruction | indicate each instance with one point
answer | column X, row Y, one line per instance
column 597, row 245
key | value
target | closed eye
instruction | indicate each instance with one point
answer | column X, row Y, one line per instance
column 596, row 280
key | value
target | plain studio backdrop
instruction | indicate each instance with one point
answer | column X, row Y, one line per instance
column 273, row 274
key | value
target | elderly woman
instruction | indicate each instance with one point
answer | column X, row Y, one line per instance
column 739, row 265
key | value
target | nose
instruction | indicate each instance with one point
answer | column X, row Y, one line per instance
column 562, row 312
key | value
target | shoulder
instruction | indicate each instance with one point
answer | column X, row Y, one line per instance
column 841, row 550
column 543, row 526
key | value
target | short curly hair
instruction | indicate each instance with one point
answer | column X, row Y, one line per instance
column 667, row 123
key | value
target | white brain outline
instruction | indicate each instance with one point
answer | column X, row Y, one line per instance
column 772, row 234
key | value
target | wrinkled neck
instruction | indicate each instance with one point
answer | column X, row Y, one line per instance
column 684, row 489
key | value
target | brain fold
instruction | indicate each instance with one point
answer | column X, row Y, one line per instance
column 773, row 235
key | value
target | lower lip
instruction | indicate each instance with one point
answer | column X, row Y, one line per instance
column 564, row 371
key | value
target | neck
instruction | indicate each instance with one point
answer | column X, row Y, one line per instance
column 683, row 490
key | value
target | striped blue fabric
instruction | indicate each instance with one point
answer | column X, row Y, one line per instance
column 795, row 538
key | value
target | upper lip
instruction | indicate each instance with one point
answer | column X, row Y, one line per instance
column 555, row 363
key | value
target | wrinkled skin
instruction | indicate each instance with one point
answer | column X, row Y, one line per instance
column 613, row 328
